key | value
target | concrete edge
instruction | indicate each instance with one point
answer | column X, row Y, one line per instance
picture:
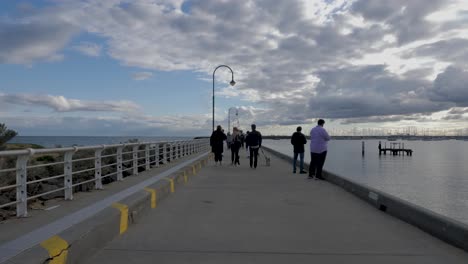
column 449, row 230
column 91, row 235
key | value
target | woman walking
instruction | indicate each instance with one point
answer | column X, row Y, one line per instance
column 235, row 146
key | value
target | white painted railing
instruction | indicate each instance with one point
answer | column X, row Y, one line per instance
column 120, row 159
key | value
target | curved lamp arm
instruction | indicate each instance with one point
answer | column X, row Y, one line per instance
column 232, row 83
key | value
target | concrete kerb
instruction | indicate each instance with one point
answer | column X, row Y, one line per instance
column 442, row 227
column 91, row 235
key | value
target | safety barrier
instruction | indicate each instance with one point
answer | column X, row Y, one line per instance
column 87, row 165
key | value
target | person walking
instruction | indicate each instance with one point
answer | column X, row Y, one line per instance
column 254, row 141
column 298, row 140
column 217, row 143
column 235, row 146
column 318, row 150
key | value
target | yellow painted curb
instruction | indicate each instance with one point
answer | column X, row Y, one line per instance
column 123, row 216
column 57, row 248
column 185, row 177
column 153, row 196
column 172, row 184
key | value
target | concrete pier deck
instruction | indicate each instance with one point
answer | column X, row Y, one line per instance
column 270, row 215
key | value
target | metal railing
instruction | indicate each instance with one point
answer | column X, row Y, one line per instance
column 80, row 166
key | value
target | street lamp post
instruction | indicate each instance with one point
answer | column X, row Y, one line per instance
column 232, row 84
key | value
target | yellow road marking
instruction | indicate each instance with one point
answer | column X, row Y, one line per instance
column 123, row 216
column 153, row 196
column 185, row 177
column 57, row 248
column 172, row 184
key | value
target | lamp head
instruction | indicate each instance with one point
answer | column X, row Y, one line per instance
column 232, row 83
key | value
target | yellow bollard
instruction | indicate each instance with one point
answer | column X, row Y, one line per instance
column 123, row 216
column 172, row 184
column 57, row 248
column 153, row 196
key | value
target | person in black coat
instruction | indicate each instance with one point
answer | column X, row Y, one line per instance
column 298, row 140
column 217, row 143
column 253, row 142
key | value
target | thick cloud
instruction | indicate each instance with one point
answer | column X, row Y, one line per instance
column 369, row 91
column 292, row 67
column 457, row 111
column 406, row 19
column 451, row 86
column 30, row 40
column 452, row 50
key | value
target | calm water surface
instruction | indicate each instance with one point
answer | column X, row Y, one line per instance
column 435, row 177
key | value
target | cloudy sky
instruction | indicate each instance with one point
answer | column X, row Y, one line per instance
column 143, row 67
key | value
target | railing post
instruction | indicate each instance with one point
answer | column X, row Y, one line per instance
column 164, row 153
column 22, row 188
column 135, row 160
column 147, row 157
column 179, row 150
column 97, row 169
column 157, row 155
column 68, row 172
column 171, row 153
column 119, row 163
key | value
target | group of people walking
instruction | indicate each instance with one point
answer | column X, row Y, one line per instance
column 318, row 147
column 253, row 142
column 318, row 150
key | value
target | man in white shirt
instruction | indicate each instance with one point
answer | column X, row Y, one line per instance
column 318, row 150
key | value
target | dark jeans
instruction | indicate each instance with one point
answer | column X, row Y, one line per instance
column 218, row 156
column 316, row 163
column 301, row 160
column 253, row 157
column 235, row 155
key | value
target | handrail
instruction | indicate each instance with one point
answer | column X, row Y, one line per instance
column 92, row 164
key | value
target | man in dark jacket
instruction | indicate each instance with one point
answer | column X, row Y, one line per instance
column 254, row 142
column 217, row 142
column 298, row 140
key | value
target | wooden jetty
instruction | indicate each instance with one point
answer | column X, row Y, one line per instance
column 395, row 149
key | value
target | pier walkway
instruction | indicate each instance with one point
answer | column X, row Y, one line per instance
column 270, row 215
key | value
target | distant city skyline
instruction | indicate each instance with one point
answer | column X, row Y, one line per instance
column 143, row 67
